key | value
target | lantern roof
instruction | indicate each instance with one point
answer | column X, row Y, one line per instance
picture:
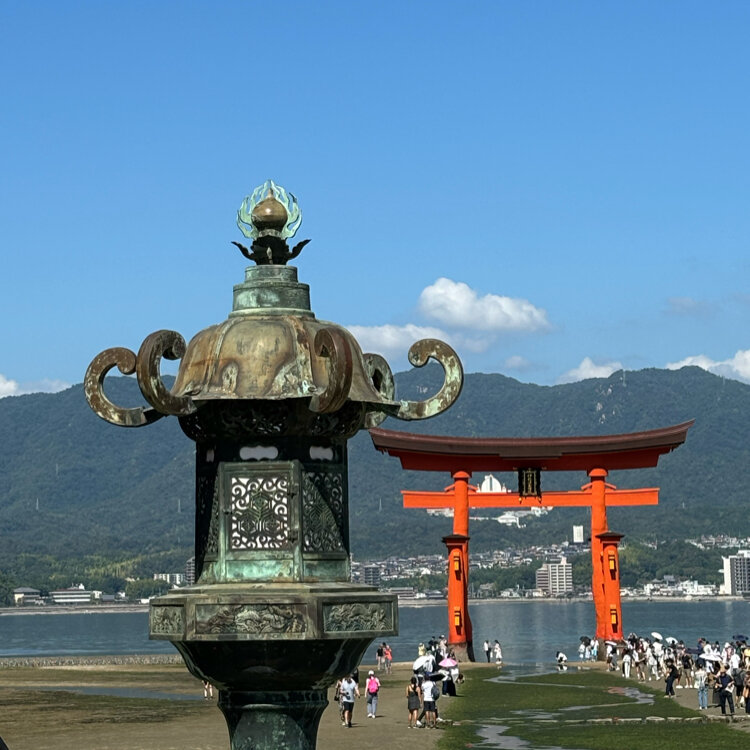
column 271, row 348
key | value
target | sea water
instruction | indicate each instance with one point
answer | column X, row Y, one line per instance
column 530, row 631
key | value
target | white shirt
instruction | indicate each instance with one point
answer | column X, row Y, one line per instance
column 427, row 686
column 348, row 690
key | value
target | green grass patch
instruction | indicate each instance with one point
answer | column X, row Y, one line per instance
column 633, row 736
column 536, row 707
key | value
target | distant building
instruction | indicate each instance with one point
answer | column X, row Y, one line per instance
column 190, row 572
column 73, row 595
column 736, row 573
column 175, row 579
column 371, row 575
column 403, row 592
column 509, row 519
column 23, row 596
column 555, row 578
column 578, row 535
column 492, row 484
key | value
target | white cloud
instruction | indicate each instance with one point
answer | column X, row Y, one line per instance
column 516, row 362
column 10, row 387
column 737, row 367
column 394, row 341
column 589, row 369
column 687, row 306
column 390, row 339
column 45, row 385
column 457, row 305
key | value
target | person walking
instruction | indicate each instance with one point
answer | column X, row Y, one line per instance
column 638, row 661
column 388, row 656
column 671, row 676
column 497, row 652
column 371, row 688
column 700, row 679
column 413, row 702
column 726, row 694
column 688, row 667
column 626, row 662
column 429, row 697
column 487, row 650
column 349, row 691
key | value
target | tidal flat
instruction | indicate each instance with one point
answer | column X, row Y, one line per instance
column 161, row 707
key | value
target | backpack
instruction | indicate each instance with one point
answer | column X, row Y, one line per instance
column 435, row 692
column 372, row 686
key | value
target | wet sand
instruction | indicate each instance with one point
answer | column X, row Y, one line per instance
column 38, row 713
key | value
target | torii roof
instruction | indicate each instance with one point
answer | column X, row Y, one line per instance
column 633, row 450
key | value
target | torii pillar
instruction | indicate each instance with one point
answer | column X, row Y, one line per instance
column 459, row 622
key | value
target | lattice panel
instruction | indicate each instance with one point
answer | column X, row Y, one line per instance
column 259, row 512
column 322, row 512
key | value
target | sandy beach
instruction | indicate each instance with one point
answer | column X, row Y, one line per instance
column 82, row 707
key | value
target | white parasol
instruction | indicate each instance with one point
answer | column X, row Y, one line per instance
column 657, row 636
column 422, row 662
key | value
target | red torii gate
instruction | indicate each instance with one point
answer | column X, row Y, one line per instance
column 529, row 456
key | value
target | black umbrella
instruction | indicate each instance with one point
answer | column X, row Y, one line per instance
column 436, row 676
column 739, row 637
column 585, row 640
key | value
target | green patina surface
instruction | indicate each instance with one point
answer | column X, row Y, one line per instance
column 556, row 711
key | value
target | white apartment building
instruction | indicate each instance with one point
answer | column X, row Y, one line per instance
column 736, row 570
column 555, row 578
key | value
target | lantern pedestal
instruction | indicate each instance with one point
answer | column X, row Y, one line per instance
column 272, row 650
column 278, row 719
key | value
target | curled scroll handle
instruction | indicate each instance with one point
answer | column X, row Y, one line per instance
column 93, row 386
column 419, row 354
column 381, row 377
column 170, row 345
column 330, row 344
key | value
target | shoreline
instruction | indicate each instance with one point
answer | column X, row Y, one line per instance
column 88, row 609
column 71, row 609
column 572, row 600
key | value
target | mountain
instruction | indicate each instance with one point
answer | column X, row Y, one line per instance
column 78, row 494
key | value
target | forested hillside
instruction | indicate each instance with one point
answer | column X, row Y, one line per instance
column 80, row 495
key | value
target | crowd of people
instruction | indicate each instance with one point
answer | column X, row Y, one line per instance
column 434, row 674
column 722, row 671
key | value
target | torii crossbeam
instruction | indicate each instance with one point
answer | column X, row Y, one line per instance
column 529, row 456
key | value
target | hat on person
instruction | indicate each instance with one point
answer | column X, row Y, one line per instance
column 370, row 672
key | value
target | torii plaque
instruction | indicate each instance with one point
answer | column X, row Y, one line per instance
column 596, row 455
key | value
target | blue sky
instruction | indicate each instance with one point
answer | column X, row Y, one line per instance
column 558, row 189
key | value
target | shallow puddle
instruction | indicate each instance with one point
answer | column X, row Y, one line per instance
column 494, row 737
column 123, row 692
